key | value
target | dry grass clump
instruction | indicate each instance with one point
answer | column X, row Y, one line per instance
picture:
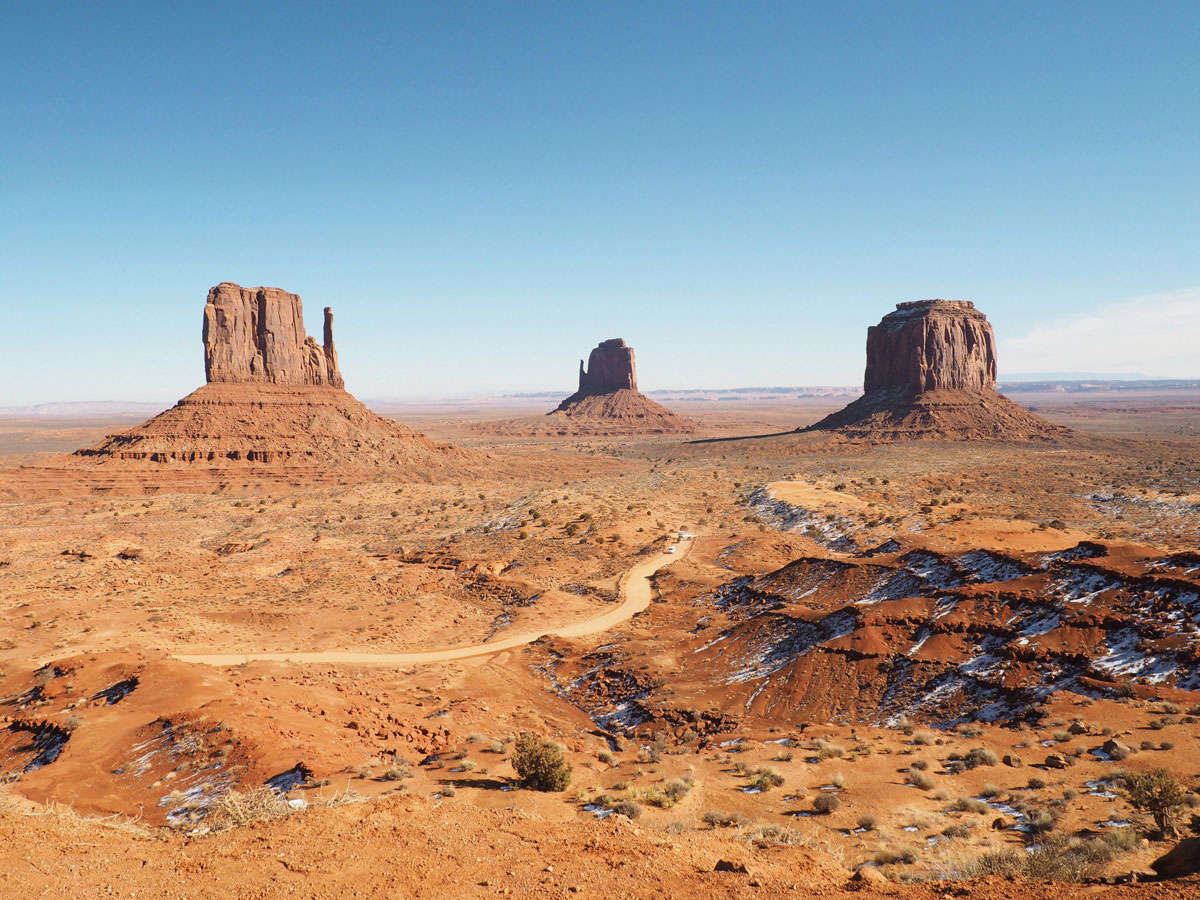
column 716, row 819
column 236, row 809
column 921, row 780
column 1057, row 858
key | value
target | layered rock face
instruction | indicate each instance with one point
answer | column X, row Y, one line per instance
column 931, row 345
column 931, row 373
column 610, row 368
column 256, row 335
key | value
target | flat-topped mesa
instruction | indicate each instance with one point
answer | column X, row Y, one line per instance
column 256, row 335
column 931, row 373
column 610, row 368
column 931, row 345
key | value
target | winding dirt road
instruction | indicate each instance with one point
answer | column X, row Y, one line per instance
column 635, row 597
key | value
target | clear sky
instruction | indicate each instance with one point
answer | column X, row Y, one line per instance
column 483, row 191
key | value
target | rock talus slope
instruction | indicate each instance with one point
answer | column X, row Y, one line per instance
column 931, row 373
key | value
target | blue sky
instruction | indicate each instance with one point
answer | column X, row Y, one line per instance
column 483, row 191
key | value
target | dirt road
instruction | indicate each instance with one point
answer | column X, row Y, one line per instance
column 635, row 597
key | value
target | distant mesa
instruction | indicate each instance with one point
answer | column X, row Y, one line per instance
column 273, row 397
column 931, row 373
column 608, row 400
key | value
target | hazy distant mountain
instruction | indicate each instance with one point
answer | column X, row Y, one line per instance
column 86, row 409
column 1078, row 376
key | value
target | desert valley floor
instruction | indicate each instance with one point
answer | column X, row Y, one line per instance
column 794, row 653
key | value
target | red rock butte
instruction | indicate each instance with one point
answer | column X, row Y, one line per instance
column 256, row 335
column 608, row 401
column 273, row 397
column 931, row 373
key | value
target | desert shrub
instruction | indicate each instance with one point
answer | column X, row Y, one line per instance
column 606, row 757
column 991, row 791
column 867, row 822
column 715, row 819
column 626, row 808
column 1035, row 783
column 956, row 831
column 920, row 780
column 678, row 789
column 919, row 764
column 1041, row 820
column 766, row 778
column 540, row 764
column 889, row 856
column 1158, row 795
column 398, row 772
column 770, row 835
column 924, row 738
column 981, row 756
column 826, row 750
column 971, row 805
column 826, row 803
column 234, row 809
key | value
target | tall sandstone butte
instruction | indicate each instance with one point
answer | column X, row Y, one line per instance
column 273, row 397
column 256, row 335
column 931, row 345
column 610, row 367
column 931, row 373
column 608, row 401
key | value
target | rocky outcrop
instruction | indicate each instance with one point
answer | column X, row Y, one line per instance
column 608, row 401
column 931, row 345
column 256, row 336
column 931, row 373
column 274, row 398
column 610, row 368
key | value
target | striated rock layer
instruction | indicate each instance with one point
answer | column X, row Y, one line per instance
column 269, row 424
column 257, row 335
column 274, row 397
column 608, row 401
column 931, row 373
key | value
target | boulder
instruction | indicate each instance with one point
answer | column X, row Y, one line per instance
column 1115, row 749
column 1056, row 761
column 1181, row 861
column 1012, row 761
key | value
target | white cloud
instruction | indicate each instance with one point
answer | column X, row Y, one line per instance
column 1157, row 336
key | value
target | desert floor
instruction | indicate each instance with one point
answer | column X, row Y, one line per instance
column 684, row 618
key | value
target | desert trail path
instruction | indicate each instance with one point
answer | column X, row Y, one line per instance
column 635, row 597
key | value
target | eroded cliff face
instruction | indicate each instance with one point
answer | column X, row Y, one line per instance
column 931, row 345
column 610, row 368
column 256, row 335
column 931, row 373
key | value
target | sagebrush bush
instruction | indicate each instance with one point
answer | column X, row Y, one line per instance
column 540, row 764
column 826, row 803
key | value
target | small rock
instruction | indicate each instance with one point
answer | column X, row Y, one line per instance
column 869, row 875
column 1000, row 824
column 724, row 865
column 1013, row 761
